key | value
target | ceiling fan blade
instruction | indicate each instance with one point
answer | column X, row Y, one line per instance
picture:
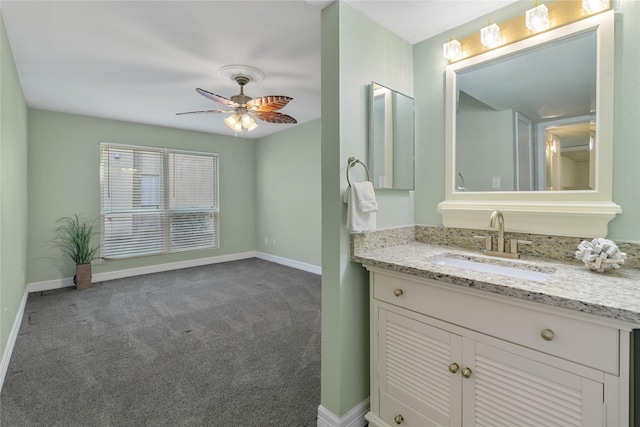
column 220, row 99
column 205, row 112
column 274, row 117
column 268, row 103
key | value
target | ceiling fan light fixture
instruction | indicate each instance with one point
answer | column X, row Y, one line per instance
column 232, row 122
column 244, row 109
column 248, row 123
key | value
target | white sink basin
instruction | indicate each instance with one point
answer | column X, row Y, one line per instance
column 483, row 267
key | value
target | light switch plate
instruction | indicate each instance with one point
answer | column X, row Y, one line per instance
column 496, row 182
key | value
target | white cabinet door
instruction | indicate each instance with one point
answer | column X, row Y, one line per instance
column 500, row 376
column 509, row 390
column 414, row 361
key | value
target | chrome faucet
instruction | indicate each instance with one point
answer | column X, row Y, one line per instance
column 492, row 223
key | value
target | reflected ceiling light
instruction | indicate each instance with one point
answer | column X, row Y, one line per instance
column 490, row 35
column 593, row 6
column 452, row 49
column 537, row 18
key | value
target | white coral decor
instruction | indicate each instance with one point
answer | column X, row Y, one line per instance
column 600, row 254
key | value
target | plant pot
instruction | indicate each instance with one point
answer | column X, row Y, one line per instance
column 82, row 278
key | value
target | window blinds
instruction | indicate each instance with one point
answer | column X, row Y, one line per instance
column 156, row 200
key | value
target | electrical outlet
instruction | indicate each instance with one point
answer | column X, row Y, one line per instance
column 496, row 182
column 266, row 240
column 274, row 241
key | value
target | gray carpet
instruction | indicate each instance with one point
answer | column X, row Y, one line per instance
column 231, row 344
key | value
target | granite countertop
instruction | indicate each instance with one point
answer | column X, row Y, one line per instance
column 613, row 294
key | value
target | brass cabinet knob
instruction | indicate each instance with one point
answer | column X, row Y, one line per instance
column 547, row 334
column 466, row 372
column 398, row 419
column 453, row 368
column 398, row 292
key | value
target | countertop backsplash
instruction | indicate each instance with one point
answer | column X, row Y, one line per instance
column 543, row 247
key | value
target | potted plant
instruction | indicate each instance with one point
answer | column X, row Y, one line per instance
column 73, row 236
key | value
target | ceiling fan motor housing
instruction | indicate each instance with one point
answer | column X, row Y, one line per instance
column 242, row 80
column 241, row 99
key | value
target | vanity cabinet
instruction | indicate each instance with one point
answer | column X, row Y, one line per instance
column 443, row 356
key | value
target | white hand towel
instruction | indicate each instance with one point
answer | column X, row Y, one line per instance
column 366, row 196
column 357, row 220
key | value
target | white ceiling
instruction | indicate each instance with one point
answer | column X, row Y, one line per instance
column 141, row 61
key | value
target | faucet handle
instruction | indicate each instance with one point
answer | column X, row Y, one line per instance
column 488, row 244
column 515, row 242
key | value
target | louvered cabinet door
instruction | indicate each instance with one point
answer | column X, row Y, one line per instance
column 414, row 361
column 508, row 390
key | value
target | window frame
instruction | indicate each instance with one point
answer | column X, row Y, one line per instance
column 165, row 209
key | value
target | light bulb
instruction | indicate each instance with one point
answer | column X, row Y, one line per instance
column 452, row 49
column 537, row 18
column 490, row 35
column 246, row 120
column 593, row 6
column 232, row 121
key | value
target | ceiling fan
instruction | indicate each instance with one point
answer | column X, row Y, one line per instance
column 244, row 108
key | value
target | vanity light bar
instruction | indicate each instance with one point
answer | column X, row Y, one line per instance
column 558, row 14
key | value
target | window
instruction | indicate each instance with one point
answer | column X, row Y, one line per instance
column 156, row 200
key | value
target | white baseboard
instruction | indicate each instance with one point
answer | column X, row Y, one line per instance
column 13, row 336
column 290, row 263
column 130, row 272
column 353, row 418
column 47, row 285
column 160, row 268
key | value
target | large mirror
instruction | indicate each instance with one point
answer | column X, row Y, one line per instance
column 524, row 122
column 529, row 131
column 391, row 138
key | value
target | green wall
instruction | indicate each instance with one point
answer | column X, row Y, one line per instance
column 64, row 179
column 355, row 51
column 13, row 191
column 430, row 132
column 626, row 133
column 288, row 194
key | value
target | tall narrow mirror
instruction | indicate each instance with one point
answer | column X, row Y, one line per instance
column 391, row 138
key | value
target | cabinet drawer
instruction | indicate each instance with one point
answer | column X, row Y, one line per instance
column 587, row 343
column 391, row 408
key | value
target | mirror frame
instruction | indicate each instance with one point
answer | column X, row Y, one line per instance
column 577, row 213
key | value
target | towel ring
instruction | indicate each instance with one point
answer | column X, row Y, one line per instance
column 351, row 163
